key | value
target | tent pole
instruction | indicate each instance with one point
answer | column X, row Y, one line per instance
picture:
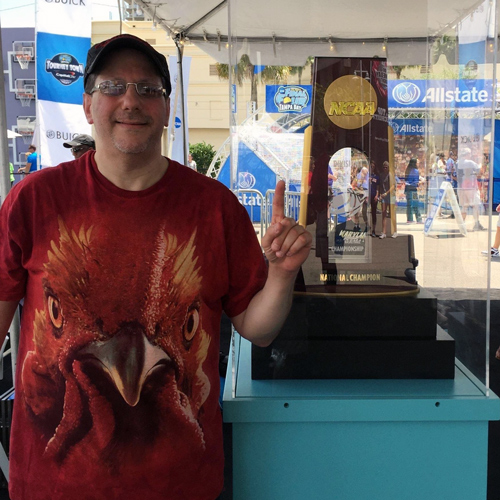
column 4, row 147
column 179, row 43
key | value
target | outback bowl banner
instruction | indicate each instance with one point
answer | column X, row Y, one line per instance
column 288, row 98
column 62, row 39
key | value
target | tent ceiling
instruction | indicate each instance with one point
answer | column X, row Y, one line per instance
column 279, row 32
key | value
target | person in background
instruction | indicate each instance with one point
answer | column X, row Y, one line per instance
column 385, row 188
column 360, row 184
column 451, row 175
column 412, row 181
column 80, row 145
column 494, row 252
column 451, row 171
column 11, row 170
column 373, row 187
column 192, row 163
column 468, row 189
column 441, row 165
column 31, row 161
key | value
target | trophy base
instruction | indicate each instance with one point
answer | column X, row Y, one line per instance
column 356, row 359
column 334, row 336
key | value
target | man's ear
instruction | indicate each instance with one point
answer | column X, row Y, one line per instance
column 87, row 105
column 167, row 115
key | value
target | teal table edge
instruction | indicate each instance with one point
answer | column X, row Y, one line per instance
column 462, row 399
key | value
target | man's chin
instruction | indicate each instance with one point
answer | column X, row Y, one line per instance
column 131, row 147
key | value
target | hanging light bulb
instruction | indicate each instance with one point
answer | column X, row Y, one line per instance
column 384, row 45
column 332, row 45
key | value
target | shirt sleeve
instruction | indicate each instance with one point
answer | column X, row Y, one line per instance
column 13, row 276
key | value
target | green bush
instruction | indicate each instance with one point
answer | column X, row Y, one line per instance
column 203, row 155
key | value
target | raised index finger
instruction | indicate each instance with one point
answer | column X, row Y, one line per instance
column 278, row 203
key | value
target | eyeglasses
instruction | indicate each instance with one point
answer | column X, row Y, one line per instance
column 77, row 149
column 117, row 88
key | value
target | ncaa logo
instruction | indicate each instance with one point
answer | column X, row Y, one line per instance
column 406, row 93
column 246, row 180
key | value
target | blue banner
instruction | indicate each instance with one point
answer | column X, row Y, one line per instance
column 288, row 98
column 413, row 126
column 60, row 64
column 253, row 174
column 63, row 32
column 439, row 93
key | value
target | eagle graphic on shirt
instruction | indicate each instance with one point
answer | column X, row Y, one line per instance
column 118, row 350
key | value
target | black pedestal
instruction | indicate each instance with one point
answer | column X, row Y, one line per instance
column 349, row 337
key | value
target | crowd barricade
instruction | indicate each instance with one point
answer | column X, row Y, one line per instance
column 292, row 206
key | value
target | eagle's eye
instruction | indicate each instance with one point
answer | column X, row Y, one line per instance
column 55, row 312
column 191, row 324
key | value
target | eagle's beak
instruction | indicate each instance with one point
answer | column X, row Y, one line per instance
column 128, row 358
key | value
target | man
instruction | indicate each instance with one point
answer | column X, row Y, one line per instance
column 451, row 175
column 360, row 184
column 11, row 170
column 468, row 191
column 494, row 251
column 385, row 188
column 31, row 161
column 191, row 163
column 80, row 145
column 126, row 260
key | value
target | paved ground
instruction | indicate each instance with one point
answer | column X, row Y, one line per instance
column 449, row 260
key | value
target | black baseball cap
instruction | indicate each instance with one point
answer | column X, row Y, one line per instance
column 80, row 140
column 97, row 54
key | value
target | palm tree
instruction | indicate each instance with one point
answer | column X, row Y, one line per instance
column 245, row 70
column 297, row 70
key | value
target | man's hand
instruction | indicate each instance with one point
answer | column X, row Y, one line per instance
column 286, row 243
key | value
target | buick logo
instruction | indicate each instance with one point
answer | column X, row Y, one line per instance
column 246, row 180
column 406, row 93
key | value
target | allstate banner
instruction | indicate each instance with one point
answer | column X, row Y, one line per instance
column 62, row 39
column 288, row 98
column 465, row 93
column 176, row 126
column 418, row 126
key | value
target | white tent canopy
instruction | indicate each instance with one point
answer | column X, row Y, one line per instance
column 286, row 32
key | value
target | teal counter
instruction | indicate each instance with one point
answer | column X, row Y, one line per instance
column 358, row 439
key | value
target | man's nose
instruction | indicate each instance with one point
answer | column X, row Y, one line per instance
column 131, row 98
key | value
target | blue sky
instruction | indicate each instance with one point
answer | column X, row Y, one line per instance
column 21, row 13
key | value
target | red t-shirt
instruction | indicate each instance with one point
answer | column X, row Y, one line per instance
column 117, row 379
